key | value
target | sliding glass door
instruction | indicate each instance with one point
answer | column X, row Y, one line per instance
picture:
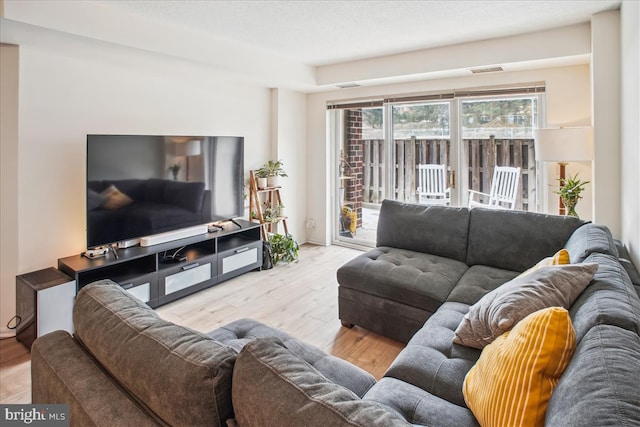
column 420, row 135
column 499, row 132
column 379, row 148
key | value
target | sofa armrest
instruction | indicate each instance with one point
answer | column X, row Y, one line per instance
column 273, row 386
column 588, row 239
column 61, row 372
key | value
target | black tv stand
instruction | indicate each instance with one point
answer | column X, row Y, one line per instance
column 235, row 222
column 203, row 261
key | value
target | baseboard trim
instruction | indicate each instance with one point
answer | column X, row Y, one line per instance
column 7, row 333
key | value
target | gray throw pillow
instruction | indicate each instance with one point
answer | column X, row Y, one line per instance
column 499, row 310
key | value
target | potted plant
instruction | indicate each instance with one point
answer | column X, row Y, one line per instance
column 175, row 169
column 270, row 213
column 570, row 189
column 261, row 177
column 273, row 170
column 283, row 248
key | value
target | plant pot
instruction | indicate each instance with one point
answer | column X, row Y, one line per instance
column 570, row 206
column 262, row 182
column 272, row 181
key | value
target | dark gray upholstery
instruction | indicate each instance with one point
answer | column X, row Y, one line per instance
column 419, row 407
column 436, row 230
column 431, row 361
column 424, row 255
column 274, row 387
column 516, row 240
column 63, row 373
column 413, row 278
column 384, row 316
column 478, row 281
column 609, row 299
column 601, row 385
column 625, row 260
column 424, row 383
column 237, row 334
column 181, row 376
column 126, row 366
column 589, row 239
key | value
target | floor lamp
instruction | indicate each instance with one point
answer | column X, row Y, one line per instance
column 563, row 145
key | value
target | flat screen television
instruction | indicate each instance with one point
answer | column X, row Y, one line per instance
column 141, row 185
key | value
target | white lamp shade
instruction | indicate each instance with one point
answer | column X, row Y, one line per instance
column 568, row 144
column 186, row 149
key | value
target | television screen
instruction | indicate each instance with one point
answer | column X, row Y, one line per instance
column 141, row 185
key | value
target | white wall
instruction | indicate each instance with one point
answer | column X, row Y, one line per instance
column 9, row 80
column 289, row 136
column 567, row 101
column 605, row 81
column 630, row 48
column 82, row 87
column 523, row 48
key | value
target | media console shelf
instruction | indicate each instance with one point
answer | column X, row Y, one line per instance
column 201, row 262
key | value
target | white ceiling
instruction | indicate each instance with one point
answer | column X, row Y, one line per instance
column 317, row 33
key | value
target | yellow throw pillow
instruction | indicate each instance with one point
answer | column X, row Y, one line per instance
column 559, row 258
column 512, row 381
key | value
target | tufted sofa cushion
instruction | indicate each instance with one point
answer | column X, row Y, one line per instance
column 413, row 278
column 478, row 281
column 239, row 333
column 431, row 361
column 419, row 407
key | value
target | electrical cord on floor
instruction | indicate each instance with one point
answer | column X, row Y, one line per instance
column 18, row 320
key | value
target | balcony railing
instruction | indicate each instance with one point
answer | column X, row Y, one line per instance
column 482, row 155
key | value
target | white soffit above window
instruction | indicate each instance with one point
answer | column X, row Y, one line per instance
column 308, row 44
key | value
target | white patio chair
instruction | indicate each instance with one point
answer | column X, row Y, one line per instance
column 431, row 188
column 504, row 190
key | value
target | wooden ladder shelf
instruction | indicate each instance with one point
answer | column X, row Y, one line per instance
column 263, row 201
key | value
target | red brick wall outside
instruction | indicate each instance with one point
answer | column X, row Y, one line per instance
column 355, row 157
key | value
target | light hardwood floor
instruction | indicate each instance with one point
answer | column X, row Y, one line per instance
column 300, row 298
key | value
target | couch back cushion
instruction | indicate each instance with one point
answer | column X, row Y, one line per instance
column 186, row 195
column 180, row 376
column 437, row 230
column 272, row 386
column 600, row 385
column 589, row 239
column 610, row 299
column 516, row 240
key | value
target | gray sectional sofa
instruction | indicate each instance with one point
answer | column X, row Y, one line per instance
column 126, row 366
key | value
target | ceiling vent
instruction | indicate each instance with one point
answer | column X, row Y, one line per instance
column 486, row 70
column 348, row 85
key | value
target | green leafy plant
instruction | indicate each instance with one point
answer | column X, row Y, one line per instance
column 261, row 173
column 283, row 248
column 270, row 213
column 569, row 191
column 273, row 168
